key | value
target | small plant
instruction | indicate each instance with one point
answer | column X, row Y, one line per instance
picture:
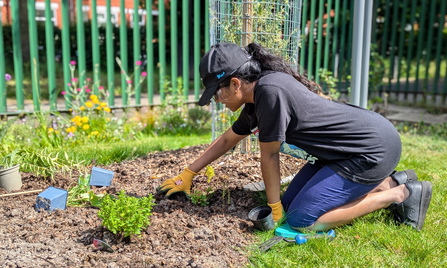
column 9, row 160
column 81, row 195
column 201, row 197
column 125, row 214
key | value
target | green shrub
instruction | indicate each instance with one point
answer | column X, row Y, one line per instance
column 125, row 214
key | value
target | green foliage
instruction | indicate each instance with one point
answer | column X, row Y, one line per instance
column 268, row 19
column 331, row 84
column 80, row 195
column 43, row 162
column 201, row 197
column 421, row 128
column 9, row 160
column 125, row 214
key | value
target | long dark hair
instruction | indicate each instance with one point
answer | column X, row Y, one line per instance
column 262, row 60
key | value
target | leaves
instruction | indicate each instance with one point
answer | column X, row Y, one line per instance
column 125, row 214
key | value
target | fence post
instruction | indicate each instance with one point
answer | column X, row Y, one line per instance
column 366, row 53
column 17, row 49
column 80, row 33
column 123, row 53
column 66, row 55
column 95, row 49
column 174, row 52
column 136, row 50
column 196, row 49
column 110, row 56
column 49, row 34
column 161, row 47
column 149, row 53
column 34, row 54
column 356, row 72
column 3, row 107
column 185, row 43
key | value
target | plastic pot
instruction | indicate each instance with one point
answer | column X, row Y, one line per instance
column 10, row 178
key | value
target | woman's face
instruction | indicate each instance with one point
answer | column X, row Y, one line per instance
column 231, row 96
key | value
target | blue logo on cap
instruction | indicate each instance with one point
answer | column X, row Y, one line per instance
column 220, row 75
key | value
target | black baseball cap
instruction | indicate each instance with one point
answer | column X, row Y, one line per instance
column 219, row 62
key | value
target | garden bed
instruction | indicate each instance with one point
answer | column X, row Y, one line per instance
column 181, row 234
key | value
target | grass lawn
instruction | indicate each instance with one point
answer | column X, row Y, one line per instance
column 374, row 240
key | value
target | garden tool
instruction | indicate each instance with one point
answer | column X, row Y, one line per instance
column 102, row 246
column 284, row 232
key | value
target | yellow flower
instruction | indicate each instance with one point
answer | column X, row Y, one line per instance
column 68, row 129
column 71, row 110
column 93, row 96
column 108, row 119
column 78, row 124
column 98, row 108
column 89, row 104
column 103, row 104
column 50, row 129
column 84, row 119
column 86, row 126
column 82, row 108
column 107, row 109
column 56, row 131
column 95, row 101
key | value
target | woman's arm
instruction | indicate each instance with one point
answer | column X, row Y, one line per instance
column 220, row 146
column 270, row 170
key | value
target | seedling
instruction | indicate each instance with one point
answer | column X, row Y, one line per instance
column 80, row 195
column 202, row 197
column 125, row 214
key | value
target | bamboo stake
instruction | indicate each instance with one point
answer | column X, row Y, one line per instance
column 27, row 192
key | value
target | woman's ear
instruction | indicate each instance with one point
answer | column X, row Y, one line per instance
column 235, row 84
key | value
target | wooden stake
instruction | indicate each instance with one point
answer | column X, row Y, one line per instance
column 20, row 193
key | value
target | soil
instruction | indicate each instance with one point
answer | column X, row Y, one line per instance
column 181, row 234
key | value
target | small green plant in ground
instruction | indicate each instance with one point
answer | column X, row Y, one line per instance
column 81, row 195
column 201, row 197
column 125, row 214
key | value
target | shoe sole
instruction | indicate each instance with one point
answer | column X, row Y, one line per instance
column 425, row 202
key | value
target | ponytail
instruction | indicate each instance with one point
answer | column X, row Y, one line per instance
column 262, row 60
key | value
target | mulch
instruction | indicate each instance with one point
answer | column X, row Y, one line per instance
column 181, row 234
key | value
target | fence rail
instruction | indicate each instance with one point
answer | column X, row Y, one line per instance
column 408, row 47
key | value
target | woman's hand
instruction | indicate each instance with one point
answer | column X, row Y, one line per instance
column 180, row 183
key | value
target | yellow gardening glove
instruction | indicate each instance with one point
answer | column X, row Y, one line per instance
column 277, row 210
column 181, row 183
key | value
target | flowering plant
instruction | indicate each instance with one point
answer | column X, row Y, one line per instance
column 7, row 77
column 130, row 90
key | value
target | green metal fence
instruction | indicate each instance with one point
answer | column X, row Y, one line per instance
column 408, row 42
column 409, row 38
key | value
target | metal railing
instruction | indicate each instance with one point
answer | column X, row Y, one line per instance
column 409, row 39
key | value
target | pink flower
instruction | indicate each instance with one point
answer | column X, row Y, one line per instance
column 68, row 84
column 138, row 62
column 129, row 81
column 143, row 73
column 79, row 90
column 63, row 92
column 122, row 72
column 101, row 88
column 87, row 90
column 85, row 86
column 88, row 79
column 73, row 62
column 7, row 77
column 74, row 79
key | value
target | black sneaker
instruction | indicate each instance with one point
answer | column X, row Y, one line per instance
column 414, row 209
column 402, row 177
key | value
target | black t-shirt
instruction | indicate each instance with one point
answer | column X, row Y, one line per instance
column 358, row 144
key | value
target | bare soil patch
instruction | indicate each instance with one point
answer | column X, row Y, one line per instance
column 181, row 234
